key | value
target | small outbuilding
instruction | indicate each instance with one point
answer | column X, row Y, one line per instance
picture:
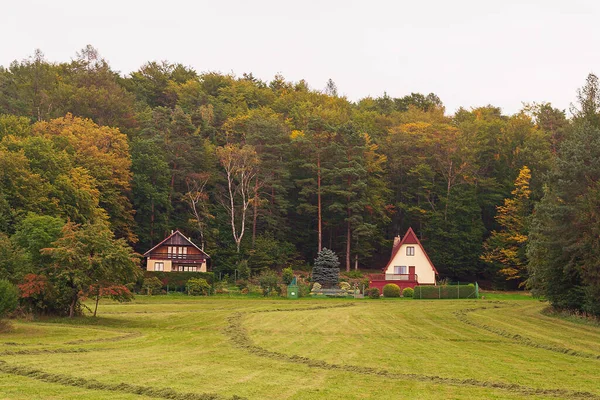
column 408, row 266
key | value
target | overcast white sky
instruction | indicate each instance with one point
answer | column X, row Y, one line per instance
column 469, row 53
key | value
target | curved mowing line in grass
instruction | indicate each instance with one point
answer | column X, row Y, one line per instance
column 92, row 384
column 43, row 351
column 462, row 316
column 239, row 336
column 126, row 336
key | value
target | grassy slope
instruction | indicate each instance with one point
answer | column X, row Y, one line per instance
column 373, row 349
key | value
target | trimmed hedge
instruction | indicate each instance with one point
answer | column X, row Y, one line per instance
column 373, row 293
column 408, row 292
column 445, row 292
column 178, row 280
column 391, row 290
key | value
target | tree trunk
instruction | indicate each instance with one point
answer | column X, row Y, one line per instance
column 97, row 301
column 73, row 303
column 348, row 238
column 255, row 216
column 152, row 216
column 356, row 262
column 319, row 201
column 448, row 192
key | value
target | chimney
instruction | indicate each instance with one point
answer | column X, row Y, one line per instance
column 171, row 231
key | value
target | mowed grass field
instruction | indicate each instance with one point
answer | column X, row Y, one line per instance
column 178, row 347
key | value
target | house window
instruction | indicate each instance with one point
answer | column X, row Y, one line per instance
column 159, row 266
column 400, row 270
column 410, row 251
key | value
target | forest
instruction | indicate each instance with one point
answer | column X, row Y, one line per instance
column 269, row 173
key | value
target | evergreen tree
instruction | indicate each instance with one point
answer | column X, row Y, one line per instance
column 326, row 270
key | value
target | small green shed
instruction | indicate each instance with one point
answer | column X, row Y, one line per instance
column 292, row 289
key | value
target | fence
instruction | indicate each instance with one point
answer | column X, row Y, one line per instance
column 458, row 291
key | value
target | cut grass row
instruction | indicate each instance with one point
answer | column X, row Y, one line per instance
column 372, row 349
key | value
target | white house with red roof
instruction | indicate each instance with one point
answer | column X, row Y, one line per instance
column 176, row 253
column 408, row 266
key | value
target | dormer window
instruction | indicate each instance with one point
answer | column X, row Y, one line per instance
column 410, row 251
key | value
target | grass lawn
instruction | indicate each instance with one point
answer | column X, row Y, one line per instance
column 178, row 347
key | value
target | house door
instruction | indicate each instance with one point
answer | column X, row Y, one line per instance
column 411, row 273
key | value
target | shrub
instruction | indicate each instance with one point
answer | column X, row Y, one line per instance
column 354, row 274
column 152, row 285
column 303, row 290
column 198, row 287
column 408, row 292
column 445, row 292
column 345, row 286
column 241, row 284
column 287, row 275
column 9, row 297
column 316, row 287
column 177, row 280
column 268, row 281
column 243, row 269
column 391, row 290
column 374, row 293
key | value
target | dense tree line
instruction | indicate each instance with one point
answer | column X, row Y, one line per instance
column 269, row 173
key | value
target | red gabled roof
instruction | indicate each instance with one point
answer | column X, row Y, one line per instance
column 183, row 236
column 409, row 238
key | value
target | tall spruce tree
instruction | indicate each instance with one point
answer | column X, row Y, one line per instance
column 326, row 270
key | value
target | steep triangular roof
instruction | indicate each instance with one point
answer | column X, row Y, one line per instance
column 409, row 238
column 176, row 238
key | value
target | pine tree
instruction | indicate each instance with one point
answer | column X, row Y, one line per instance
column 506, row 248
column 326, row 270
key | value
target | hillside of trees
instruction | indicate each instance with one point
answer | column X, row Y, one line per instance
column 268, row 173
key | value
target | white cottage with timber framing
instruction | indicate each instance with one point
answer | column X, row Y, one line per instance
column 177, row 253
column 408, row 266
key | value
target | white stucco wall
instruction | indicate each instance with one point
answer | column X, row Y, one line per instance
column 423, row 269
column 150, row 265
column 169, row 265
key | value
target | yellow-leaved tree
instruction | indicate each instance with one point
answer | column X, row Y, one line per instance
column 505, row 248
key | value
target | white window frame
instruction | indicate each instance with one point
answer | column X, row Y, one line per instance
column 159, row 266
column 410, row 250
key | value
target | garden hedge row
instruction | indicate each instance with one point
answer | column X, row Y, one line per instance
column 445, row 292
column 178, row 280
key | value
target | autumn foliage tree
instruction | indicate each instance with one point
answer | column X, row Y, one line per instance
column 89, row 256
column 506, row 247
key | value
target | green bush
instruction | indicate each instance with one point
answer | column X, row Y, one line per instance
column 445, row 292
column 303, row 289
column 391, row 290
column 374, row 293
column 287, row 275
column 408, row 292
column 198, row 287
column 269, row 281
column 354, row 274
column 243, row 269
column 9, row 297
column 152, row 285
column 178, row 280
column 241, row 284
